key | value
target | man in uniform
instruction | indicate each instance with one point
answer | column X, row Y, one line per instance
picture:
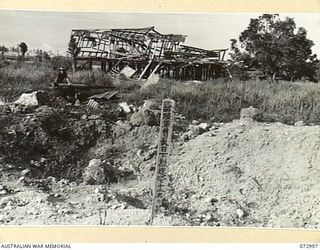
column 62, row 75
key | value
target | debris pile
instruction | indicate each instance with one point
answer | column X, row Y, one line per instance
column 76, row 158
column 145, row 53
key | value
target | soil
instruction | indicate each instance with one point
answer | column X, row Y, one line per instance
column 242, row 173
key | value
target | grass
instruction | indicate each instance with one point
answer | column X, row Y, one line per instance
column 218, row 100
column 20, row 77
column 95, row 77
column 222, row 101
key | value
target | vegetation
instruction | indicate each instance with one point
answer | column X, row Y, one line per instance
column 3, row 49
column 217, row 100
column 20, row 77
column 222, row 101
column 23, row 48
column 276, row 48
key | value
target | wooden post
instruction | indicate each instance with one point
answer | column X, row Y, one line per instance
column 145, row 69
column 155, row 69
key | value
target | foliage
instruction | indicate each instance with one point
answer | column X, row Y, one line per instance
column 285, row 102
column 72, row 48
column 61, row 61
column 94, row 77
column 3, row 49
column 19, row 77
column 23, row 48
column 276, row 48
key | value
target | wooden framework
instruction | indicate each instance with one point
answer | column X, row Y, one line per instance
column 147, row 52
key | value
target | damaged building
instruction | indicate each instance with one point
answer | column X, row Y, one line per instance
column 141, row 53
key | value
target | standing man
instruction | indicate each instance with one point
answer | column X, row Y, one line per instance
column 62, row 75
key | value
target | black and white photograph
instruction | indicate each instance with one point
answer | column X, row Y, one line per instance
column 160, row 119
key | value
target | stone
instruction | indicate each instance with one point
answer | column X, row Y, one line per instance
column 123, row 206
column 299, row 123
column 240, row 213
column 25, row 172
column 149, row 154
column 208, row 217
column 94, row 172
column 205, row 126
column 125, row 107
column 77, row 103
column 28, row 99
column 195, row 122
column 150, row 104
column 3, row 192
column 121, row 128
column 187, row 136
column 144, row 117
column 197, row 130
column 251, row 113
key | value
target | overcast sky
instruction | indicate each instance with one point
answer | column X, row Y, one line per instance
column 51, row 30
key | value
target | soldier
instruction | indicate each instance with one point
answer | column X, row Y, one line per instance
column 62, row 75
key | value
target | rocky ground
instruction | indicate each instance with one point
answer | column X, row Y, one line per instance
column 74, row 165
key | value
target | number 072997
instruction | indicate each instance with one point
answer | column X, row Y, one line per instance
column 309, row 246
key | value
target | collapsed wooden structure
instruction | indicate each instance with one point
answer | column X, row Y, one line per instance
column 141, row 53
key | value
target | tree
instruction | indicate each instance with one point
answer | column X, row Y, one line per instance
column 23, row 48
column 275, row 47
column 74, row 51
column 3, row 49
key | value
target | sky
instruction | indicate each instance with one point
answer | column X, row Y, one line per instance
column 49, row 30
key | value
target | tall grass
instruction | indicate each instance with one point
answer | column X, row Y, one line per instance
column 20, row 77
column 95, row 77
column 219, row 100
column 222, row 101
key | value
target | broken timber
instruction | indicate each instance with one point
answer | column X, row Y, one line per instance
column 146, row 52
column 165, row 137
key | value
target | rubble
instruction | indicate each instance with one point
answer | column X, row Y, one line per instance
column 213, row 176
column 195, row 129
column 127, row 71
column 28, row 99
column 144, row 53
column 299, row 123
column 94, row 172
column 144, row 117
column 125, row 107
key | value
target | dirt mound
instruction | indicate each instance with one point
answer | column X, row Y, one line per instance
column 243, row 173
column 249, row 175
